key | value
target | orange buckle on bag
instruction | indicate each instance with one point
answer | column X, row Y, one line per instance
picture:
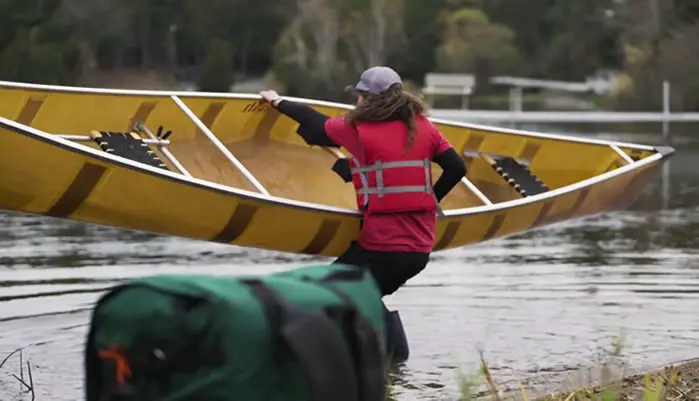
column 116, row 352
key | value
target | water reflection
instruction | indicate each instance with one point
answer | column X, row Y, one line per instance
column 541, row 304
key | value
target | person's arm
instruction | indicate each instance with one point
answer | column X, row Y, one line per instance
column 453, row 168
column 311, row 123
column 318, row 129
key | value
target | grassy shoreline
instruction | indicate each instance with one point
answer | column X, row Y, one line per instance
column 608, row 380
column 677, row 381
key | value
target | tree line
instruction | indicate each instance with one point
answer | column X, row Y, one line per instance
column 313, row 48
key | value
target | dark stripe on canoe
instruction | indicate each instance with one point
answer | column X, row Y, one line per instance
column 326, row 233
column 237, row 224
column 30, row 110
column 266, row 125
column 634, row 188
column 78, row 191
column 543, row 214
column 448, row 236
column 582, row 196
column 530, row 150
column 544, row 217
column 141, row 114
column 473, row 144
column 208, row 118
column 211, row 113
column 494, row 227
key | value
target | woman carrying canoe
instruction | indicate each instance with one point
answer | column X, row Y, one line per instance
column 392, row 144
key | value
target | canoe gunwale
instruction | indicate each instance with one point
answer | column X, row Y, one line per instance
column 310, row 102
column 662, row 153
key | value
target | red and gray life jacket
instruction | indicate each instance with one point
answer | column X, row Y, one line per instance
column 390, row 177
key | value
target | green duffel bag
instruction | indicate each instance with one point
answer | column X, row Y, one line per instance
column 311, row 334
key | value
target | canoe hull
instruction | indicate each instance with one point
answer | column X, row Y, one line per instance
column 46, row 175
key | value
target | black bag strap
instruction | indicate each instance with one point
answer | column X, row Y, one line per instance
column 314, row 341
column 273, row 310
column 363, row 339
column 369, row 365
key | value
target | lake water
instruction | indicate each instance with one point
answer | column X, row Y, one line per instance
column 541, row 304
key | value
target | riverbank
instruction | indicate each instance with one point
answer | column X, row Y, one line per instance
column 673, row 382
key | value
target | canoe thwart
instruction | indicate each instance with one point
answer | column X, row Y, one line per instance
column 221, row 147
column 140, row 127
column 626, row 158
column 474, row 189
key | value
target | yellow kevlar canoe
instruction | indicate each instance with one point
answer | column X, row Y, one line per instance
column 234, row 171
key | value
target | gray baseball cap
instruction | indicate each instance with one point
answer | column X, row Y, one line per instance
column 375, row 80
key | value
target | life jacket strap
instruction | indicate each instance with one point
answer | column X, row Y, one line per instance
column 381, row 189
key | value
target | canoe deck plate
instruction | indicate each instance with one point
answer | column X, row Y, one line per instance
column 521, row 178
column 129, row 145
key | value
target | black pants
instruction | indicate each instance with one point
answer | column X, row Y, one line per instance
column 390, row 269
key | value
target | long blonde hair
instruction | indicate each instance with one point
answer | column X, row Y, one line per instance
column 393, row 104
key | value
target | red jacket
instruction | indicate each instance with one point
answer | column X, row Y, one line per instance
column 388, row 176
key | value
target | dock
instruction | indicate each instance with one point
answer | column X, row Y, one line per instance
column 489, row 116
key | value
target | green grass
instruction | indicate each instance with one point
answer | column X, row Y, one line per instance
column 679, row 382
column 672, row 383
